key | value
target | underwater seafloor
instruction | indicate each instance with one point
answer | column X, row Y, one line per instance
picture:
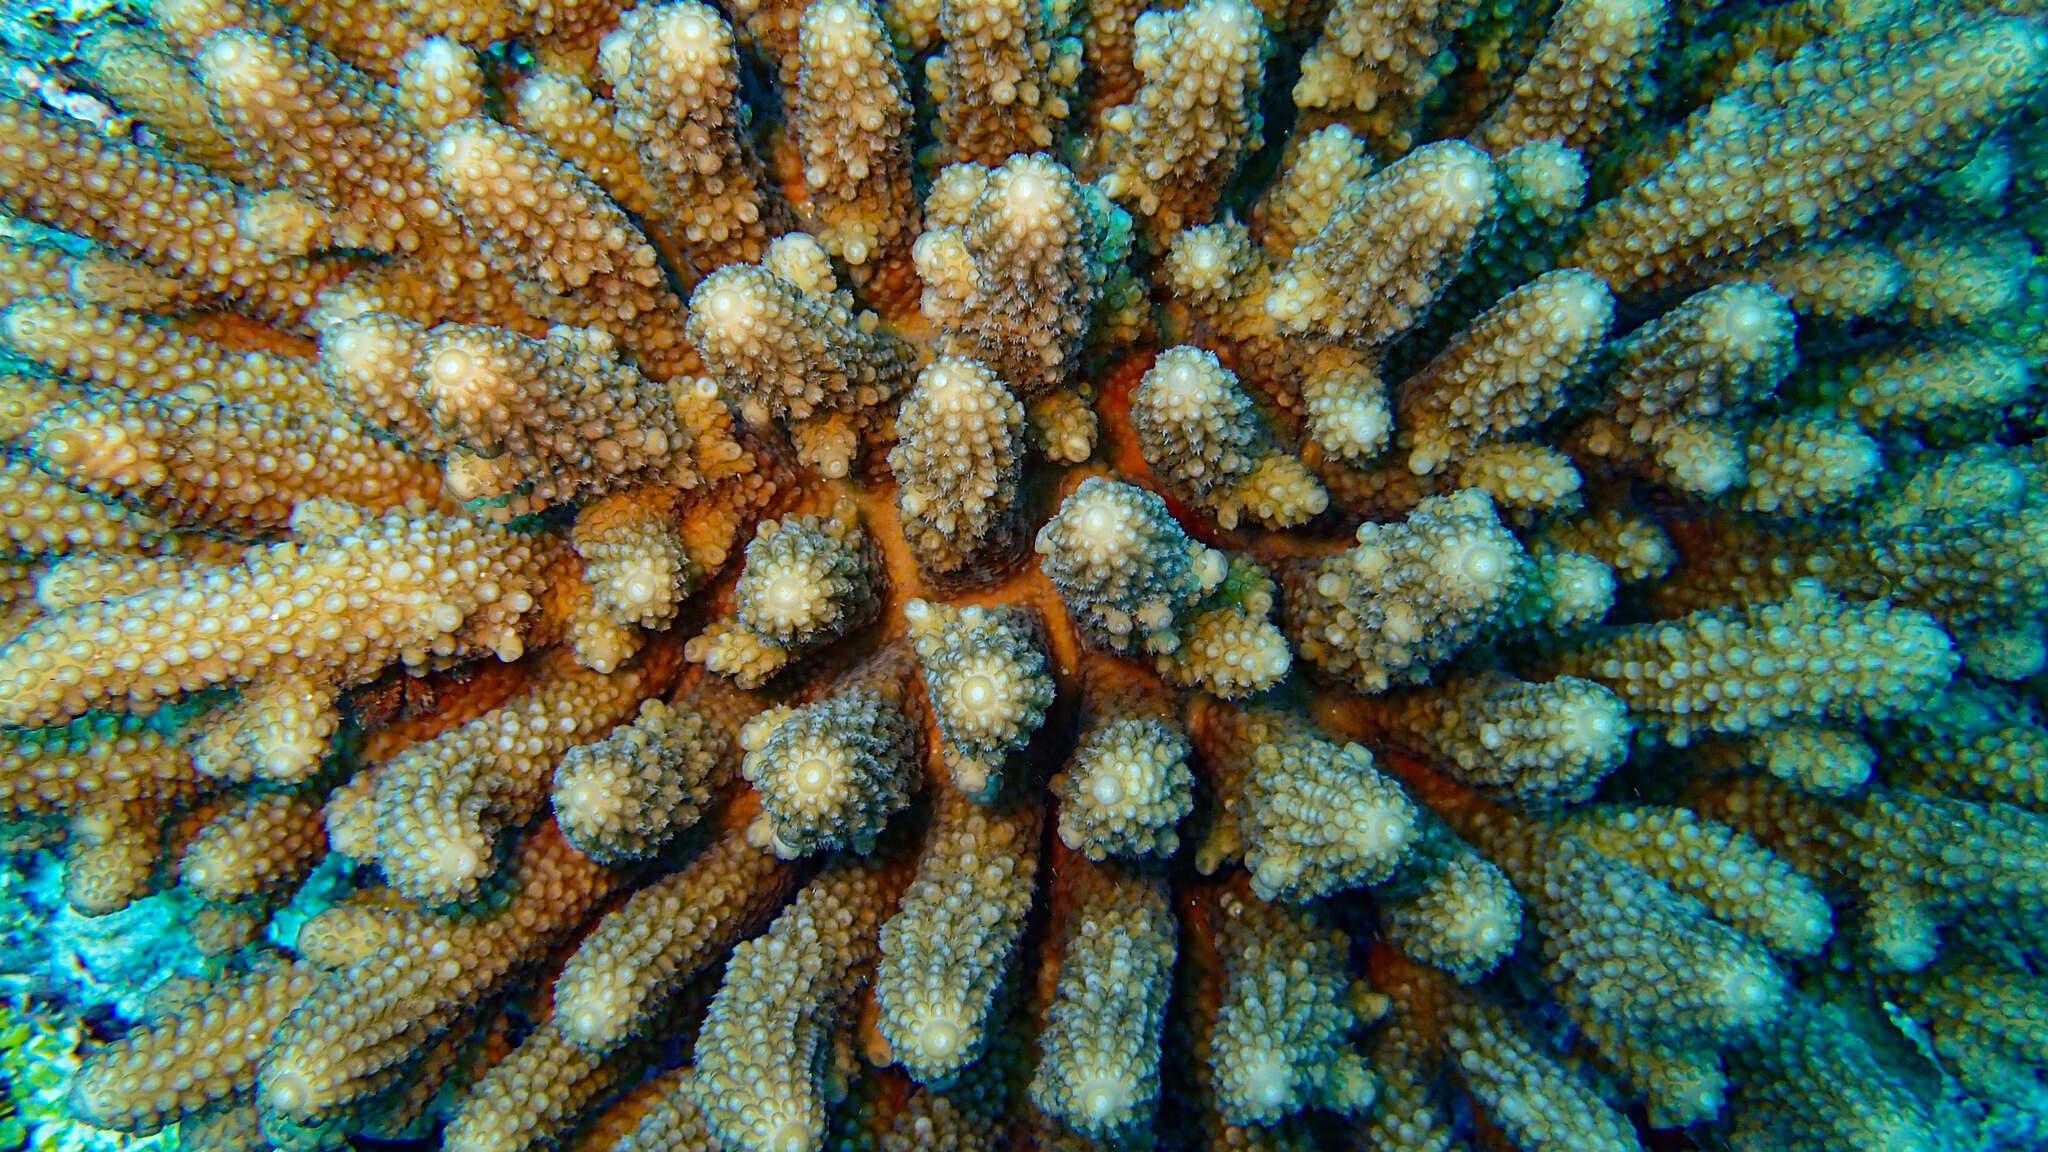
column 1396, row 575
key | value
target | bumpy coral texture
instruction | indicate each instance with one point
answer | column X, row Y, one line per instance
column 983, row 574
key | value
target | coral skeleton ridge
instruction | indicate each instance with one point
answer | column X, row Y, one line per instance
column 777, row 576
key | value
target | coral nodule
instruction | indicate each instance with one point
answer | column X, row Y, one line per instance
column 964, row 574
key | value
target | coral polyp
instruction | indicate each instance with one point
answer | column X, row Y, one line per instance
column 946, row 574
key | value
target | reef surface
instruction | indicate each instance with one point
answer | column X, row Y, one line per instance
column 1375, row 574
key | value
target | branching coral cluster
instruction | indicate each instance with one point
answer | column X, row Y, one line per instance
column 1400, row 574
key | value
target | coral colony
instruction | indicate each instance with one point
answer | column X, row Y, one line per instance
column 1391, row 575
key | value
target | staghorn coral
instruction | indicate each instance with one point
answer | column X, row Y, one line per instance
column 1014, row 260
column 987, row 683
column 790, row 345
column 1280, row 1031
column 852, row 112
column 807, row 580
column 1127, row 783
column 1170, row 151
column 1409, row 595
column 440, row 805
column 1099, row 1069
column 623, row 797
column 674, row 72
column 946, row 949
column 831, row 774
column 1201, row 435
column 958, row 462
column 1314, row 816
column 1530, row 637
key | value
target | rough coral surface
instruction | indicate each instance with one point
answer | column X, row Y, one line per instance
column 984, row 574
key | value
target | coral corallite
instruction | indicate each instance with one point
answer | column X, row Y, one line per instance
column 972, row 574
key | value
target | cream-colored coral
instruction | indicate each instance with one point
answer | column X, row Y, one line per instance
column 1382, row 59
column 958, row 462
column 1678, row 380
column 601, row 272
column 235, row 205
column 1745, row 886
column 341, row 1043
column 1014, row 261
column 1281, row 1041
column 1319, row 172
column 1807, row 657
column 439, row 82
column 675, row 75
column 639, row 564
column 1408, row 595
column 1633, row 546
column 1200, row 433
column 1620, row 944
column 672, row 1121
column 1372, row 270
column 796, row 351
column 1807, row 151
column 366, row 363
column 241, row 468
column 327, row 125
column 1892, row 385
column 1830, row 761
column 40, row 515
column 111, row 852
column 986, row 679
column 541, row 1085
column 105, row 348
column 71, row 177
column 1976, row 742
column 946, row 949
column 1509, row 370
column 1963, row 277
column 1802, row 465
column 807, row 580
column 852, row 114
column 623, row 797
column 441, row 804
column 831, row 774
column 1315, row 816
column 1538, row 743
column 1682, row 1081
column 1906, row 864
column 1127, row 783
column 1533, row 1095
column 1988, row 1021
column 410, row 589
column 201, row 1055
column 534, row 423
column 1448, row 907
column 146, row 75
column 1232, row 648
column 1813, row 1084
column 1169, row 152
column 1590, row 73
column 626, row 969
column 1126, row 570
column 1099, row 1054
column 1560, row 592
column 764, row 1078
column 1542, row 186
column 1002, row 79
column 1345, row 402
column 263, row 843
column 91, row 760
column 582, row 127
column 1838, row 280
